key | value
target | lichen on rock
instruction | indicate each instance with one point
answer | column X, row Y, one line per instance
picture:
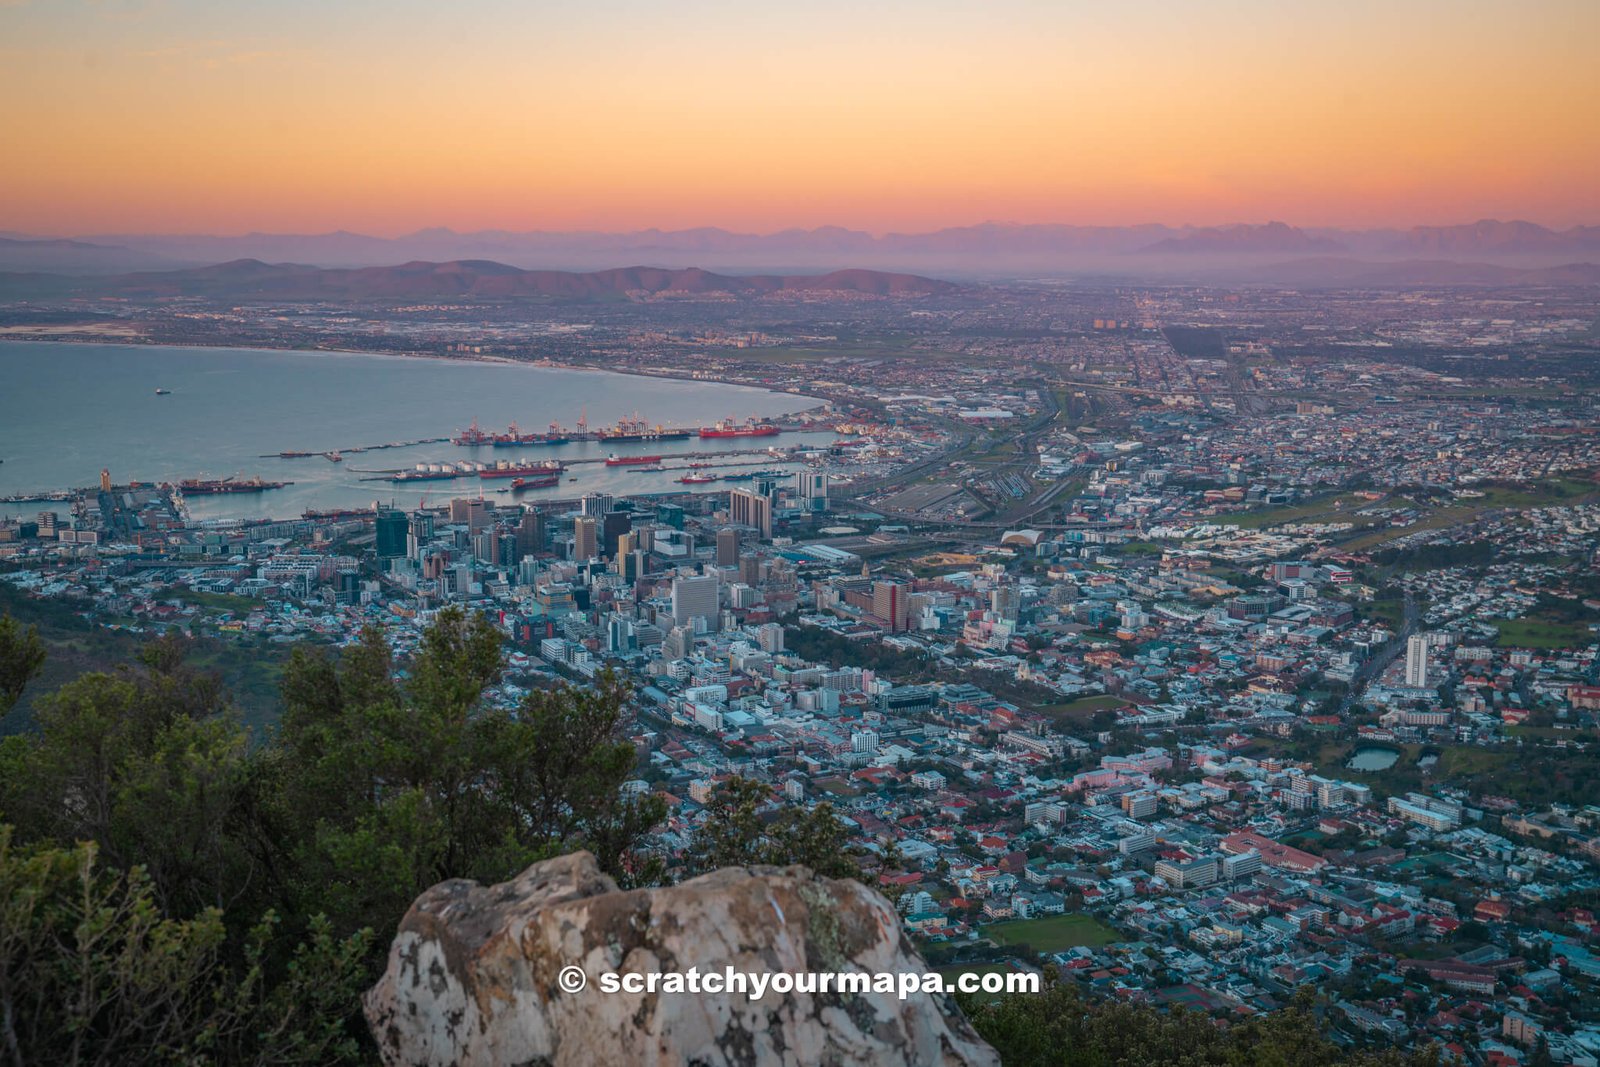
column 473, row 974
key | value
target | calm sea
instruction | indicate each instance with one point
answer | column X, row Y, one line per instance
column 67, row 410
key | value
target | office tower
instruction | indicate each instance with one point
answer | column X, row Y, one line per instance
column 419, row 534
column 812, row 489
column 770, row 637
column 727, row 547
column 889, row 603
column 670, row 515
column 530, row 532
column 749, row 508
column 631, row 564
column 390, row 529
column 508, row 555
column 474, row 514
column 677, row 643
column 585, row 538
column 627, row 544
column 694, row 598
column 1006, row 602
column 1417, row 661
column 105, row 479
column 612, row 526
column 597, row 505
column 486, row 546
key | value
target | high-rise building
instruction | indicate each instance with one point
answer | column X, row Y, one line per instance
column 473, row 513
column 890, row 603
column 812, row 489
column 1417, row 661
column 530, row 532
column 105, row 479
column 770, row 637
column 598, row 505
column 612, row 526
column 585, row 538
column 754, row 509
column 727, row 547
column 390, row 529
column 420, row 533
column 694, row 598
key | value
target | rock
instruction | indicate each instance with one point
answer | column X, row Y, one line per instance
column 472, row 975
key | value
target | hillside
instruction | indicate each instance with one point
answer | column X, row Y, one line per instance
column 481, row 279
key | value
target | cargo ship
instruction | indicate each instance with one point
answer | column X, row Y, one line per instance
column 472, row 435
column 697, row 479
column 514, row 436
column 429, row 473
column 228, row 485
column 631, row 461
column 729, row 428
column 637, row 429
column 543, row 481
column 522, row 470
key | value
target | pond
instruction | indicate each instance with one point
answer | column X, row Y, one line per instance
column 1373, row 759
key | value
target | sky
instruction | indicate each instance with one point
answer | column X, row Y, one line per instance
column 301, row 116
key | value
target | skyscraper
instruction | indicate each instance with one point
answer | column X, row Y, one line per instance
column 474, row 513
column 694, row 598
column 812, row 489
column 390, row 530
column 1417, row 661
column 889, row 603
column 530, row 532
column 585, row 538
column 751, row 509
column 613, row 525
column 727, row 547
column 597, row 505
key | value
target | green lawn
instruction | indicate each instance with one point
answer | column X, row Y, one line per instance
column 1332, row 507
column 1082, row 709
column 1539, row 633
column 1053, row 933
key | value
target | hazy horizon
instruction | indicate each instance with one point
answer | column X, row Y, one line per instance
column 138, row 116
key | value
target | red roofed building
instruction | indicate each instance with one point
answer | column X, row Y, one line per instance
column 1273, row 854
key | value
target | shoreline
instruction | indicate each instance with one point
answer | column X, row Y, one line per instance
column 807, row 402
column 386, row 354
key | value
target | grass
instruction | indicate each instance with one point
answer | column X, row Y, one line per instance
column 1082, row 709
column 1053, row 933
column 1338, row 507
column 239, row 605
column 1542, row 633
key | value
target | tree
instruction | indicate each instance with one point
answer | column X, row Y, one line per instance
column 735, row 834
column 21, row 657
column 410, row 783
column 92, row 971
column 148, row 763
column 1059, row 1028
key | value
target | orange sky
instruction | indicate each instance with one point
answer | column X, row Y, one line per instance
column 180, row 115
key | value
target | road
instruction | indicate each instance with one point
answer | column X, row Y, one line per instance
column 1375, row 666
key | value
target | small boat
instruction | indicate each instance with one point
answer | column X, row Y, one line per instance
column 163, row 392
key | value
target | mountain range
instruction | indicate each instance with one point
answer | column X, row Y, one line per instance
column 478, row 279
column 988, row 249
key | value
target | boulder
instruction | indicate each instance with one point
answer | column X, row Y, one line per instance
column 474, row 975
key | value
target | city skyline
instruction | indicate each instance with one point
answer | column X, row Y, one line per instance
column 179, row 117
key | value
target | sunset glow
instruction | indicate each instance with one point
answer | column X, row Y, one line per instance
column 386, row 117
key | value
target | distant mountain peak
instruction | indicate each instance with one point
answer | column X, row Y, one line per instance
column 1247, row 239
